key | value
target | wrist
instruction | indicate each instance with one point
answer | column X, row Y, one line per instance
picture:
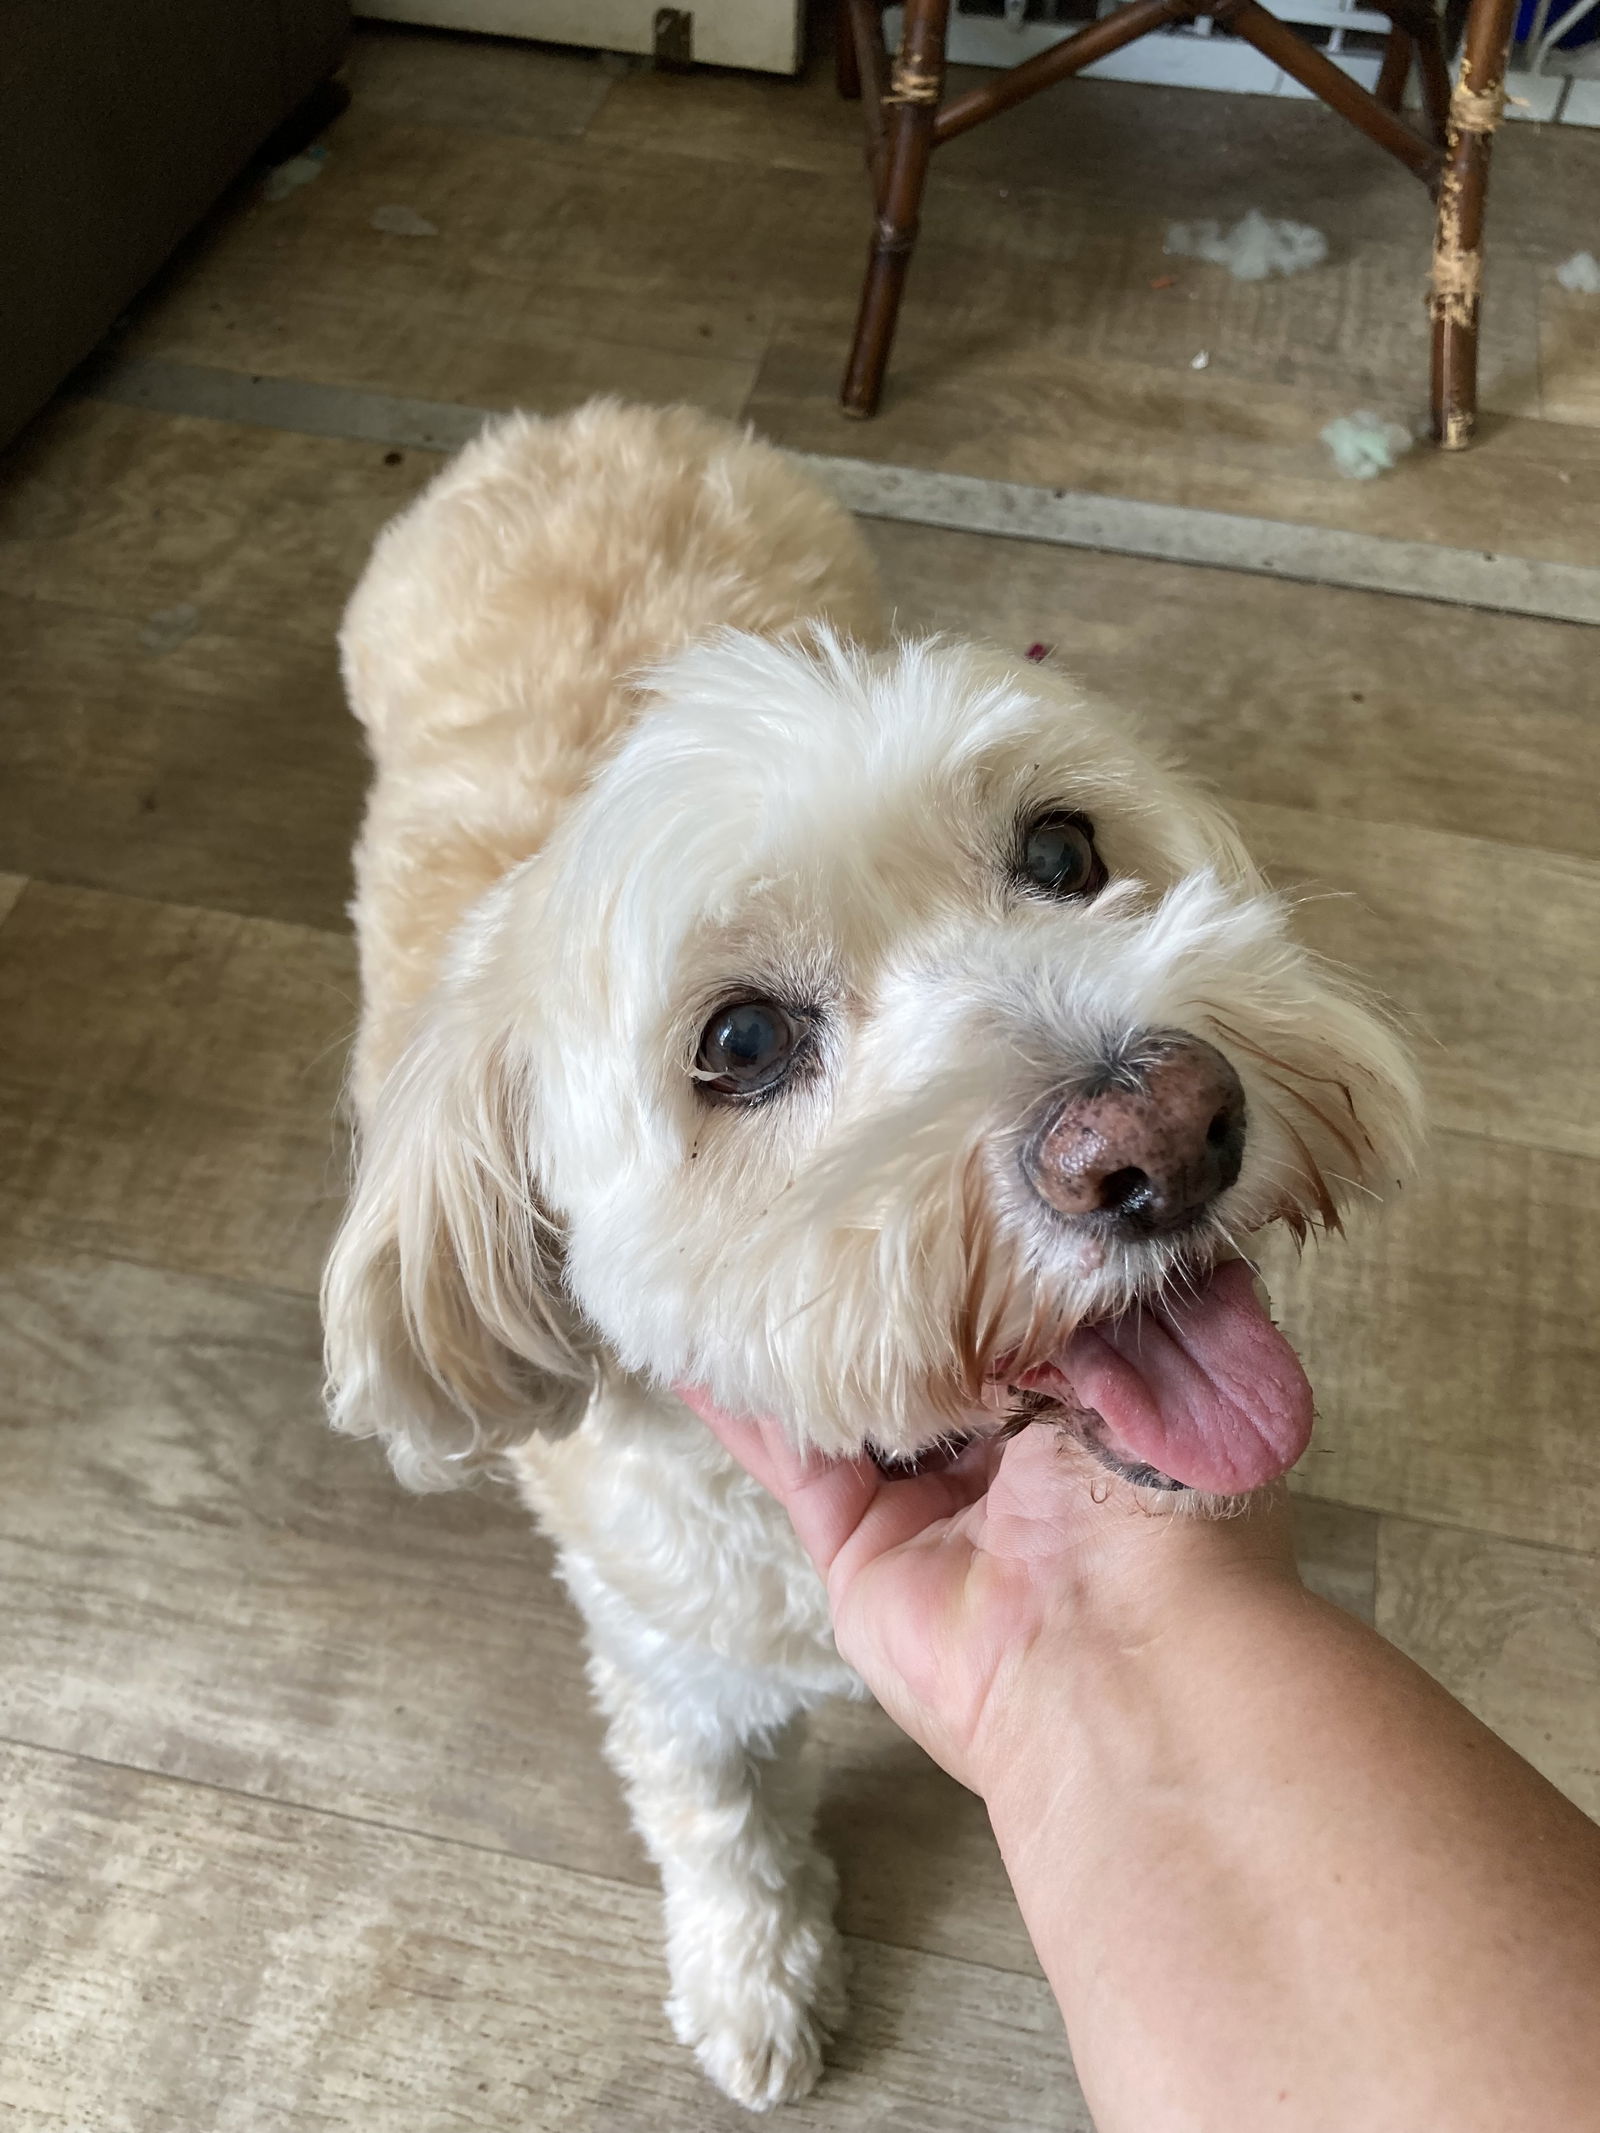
column 1123, row 1633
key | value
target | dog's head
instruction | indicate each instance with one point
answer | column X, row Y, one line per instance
column 872, row 1023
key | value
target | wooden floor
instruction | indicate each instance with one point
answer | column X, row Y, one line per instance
column 304, row 1825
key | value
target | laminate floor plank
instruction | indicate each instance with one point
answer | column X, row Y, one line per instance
column 188, row 526
column 549, row 274
column 169, row 1084
column 498, row 85
column 224, row 770
column 1453, row 1344
column 1336, row 1545
column 1001, row 393
column 1490, row 951
column 1306, row 696
column 1513, row 1631
column 183, row 1957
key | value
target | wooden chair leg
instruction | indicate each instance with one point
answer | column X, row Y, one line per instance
column 861, row 30
column 1456, row 292
column 916, row 82
column 1395, row 71
column 846, row 68
column 1426, row 31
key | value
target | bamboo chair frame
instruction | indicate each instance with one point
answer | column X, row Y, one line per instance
column 907, row 118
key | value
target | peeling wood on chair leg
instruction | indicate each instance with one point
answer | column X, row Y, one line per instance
column 1456, row 287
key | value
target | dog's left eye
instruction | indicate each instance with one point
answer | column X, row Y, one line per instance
column 747, row 1048
column 1058, row 855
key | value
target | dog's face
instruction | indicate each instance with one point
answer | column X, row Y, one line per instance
column 869, row 1026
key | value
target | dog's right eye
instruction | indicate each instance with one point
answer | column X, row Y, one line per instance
column 747, row 1048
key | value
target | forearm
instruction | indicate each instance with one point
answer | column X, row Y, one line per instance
column 1267, row 1835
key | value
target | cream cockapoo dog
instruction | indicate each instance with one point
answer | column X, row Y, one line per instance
column 838, row 1025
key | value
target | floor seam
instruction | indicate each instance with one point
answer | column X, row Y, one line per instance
column 1182, row 534
column 650, row 1890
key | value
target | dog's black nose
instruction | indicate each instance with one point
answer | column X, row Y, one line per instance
column 1148, row 1151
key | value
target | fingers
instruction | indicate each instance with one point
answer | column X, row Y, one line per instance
column 840, row 1504
column 826, row 1499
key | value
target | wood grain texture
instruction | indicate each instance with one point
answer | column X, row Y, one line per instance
column 183, row 1957
column 1490, row 951
column 554, row 274
column 1513, row 1631
column 1005, row 393
column 261, row 532
column 1453, row 1345
column 1301, row 696
column 1336, row 1546
column 482, row 84
column 205, row 1582
column 1569, row 370
column 169, row 1083
column 225, row 771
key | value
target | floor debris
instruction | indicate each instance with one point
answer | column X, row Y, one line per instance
column 168, row 627
column 403, row 222
column 1255, row 247
column 300, row 170
column 1364, row 445
column 1580, row 274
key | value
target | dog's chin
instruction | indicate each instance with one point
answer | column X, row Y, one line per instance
column 1010, row 1408
column 1191, row 1390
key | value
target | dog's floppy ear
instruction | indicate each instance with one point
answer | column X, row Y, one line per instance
column 447, row 1331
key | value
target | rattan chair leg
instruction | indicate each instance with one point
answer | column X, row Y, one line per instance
column 1422, row 23
column 916, row 82
column 1395, row 71
column 846, row 68
column 1456, row 294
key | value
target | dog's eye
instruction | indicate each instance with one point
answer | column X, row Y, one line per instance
column 747, row 1048
column 1058, row 856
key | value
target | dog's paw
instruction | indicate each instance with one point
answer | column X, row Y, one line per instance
column 756, row 2007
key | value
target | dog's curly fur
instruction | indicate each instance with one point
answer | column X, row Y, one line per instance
column 644, row 747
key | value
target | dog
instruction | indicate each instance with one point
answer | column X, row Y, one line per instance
column 837, row 1024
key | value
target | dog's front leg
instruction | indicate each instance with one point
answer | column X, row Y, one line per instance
column 724, row 1800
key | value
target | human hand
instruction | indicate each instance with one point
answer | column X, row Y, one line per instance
column 954, row 1590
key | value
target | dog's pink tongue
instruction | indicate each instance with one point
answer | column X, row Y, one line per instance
column 1206, row 1390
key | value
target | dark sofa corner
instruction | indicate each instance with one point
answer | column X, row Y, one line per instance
column 121, row 121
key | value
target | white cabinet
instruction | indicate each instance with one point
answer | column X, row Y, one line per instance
column 718, row 33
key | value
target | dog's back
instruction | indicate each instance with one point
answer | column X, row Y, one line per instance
column 490, row 647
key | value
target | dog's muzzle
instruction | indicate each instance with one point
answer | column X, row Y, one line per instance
column 1149, row 1149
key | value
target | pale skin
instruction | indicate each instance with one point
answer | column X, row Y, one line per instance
column 1275, row 1875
